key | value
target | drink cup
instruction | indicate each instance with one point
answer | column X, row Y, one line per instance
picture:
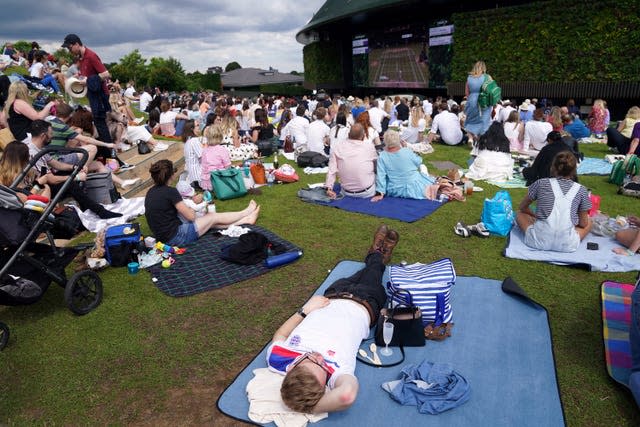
column 133, row 267
column 468, row 188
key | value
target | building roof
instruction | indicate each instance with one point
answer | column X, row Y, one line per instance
column 243, row 77
column 334, row 10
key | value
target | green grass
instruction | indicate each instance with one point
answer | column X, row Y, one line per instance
column 145, row 358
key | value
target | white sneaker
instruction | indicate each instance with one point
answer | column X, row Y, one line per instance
column 139, row 120
column 160, row 146
column 129, row 182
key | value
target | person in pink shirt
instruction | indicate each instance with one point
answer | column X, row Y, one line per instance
column 214, row 156
column 353, row 160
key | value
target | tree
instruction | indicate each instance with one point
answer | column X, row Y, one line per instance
column 131, row 67
column 232, row 66
column 295, row 73
column 166, row 73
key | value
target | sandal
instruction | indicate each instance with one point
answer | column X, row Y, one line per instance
column 438, row 333
column 479, row 230
column 461, row 230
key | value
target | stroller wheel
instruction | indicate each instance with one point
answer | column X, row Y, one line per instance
column 83, row 292
column 4, row 335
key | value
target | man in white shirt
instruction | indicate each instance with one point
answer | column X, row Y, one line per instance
column 376, row 114
column 448, row 125
column 318, row 133
column 298, row 127
column 145, row 98
column 536, row 131
column 130, row 92
column 316, row 348
column 504, row 112
column 427, row 107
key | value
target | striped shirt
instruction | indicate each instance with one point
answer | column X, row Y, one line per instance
column 62, row 133
column 541, row 192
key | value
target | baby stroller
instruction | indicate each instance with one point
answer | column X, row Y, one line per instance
column 29, row 267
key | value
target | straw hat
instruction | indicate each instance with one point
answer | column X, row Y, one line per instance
column 75, row 87
column 524, row 106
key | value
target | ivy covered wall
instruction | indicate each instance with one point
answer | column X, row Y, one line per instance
column 551, row 41
column 323, row 63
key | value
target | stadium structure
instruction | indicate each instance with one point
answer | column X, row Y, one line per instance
column 429, row 46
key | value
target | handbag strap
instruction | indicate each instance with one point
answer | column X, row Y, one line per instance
column 228, row 181
column 387, row 365
column 439, row 319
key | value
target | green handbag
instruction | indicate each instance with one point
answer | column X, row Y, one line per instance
column 228, row 183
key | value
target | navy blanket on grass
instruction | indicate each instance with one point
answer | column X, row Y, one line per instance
column 407, row 210
column 501, row 343
column 200, row 269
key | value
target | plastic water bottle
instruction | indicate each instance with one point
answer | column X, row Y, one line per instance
column 285, row 258
column 270, row 178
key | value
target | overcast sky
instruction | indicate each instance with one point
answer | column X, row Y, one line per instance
column 198, row 33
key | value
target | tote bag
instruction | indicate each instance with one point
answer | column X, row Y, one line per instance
column 429, row 286
column 228, row 183
column 497, row 213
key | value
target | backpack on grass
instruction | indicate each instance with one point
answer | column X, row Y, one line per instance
column 490, row 94
column 622, row 168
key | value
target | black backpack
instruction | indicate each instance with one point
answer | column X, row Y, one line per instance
column 312, row 159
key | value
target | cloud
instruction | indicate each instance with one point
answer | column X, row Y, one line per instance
column 199, row 34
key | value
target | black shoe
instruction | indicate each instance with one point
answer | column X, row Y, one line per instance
column 105, row 214
column 126, row 167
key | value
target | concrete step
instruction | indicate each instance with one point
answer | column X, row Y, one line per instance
column 142, row 162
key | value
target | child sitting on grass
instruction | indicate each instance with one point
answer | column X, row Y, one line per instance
column 214, row 156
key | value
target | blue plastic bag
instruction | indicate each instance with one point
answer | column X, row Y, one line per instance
column 497, row 213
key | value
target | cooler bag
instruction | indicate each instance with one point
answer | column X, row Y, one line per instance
column 119, row 243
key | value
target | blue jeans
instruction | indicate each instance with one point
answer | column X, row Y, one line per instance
column 49, row 80
column 186, row 234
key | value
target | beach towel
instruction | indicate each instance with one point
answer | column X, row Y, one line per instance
column 602, row 259
column 593, row 166
column 200, row 269
column 511, row 373
column 616, row 318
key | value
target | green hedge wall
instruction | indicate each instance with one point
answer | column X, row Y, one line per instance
column 551, row 41
column 322, row 62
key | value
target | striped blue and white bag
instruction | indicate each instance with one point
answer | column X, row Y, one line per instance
column 429, row 285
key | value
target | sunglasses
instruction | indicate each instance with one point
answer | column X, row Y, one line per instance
column 323, row 365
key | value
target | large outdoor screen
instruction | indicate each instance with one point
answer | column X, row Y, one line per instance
column 404, row 56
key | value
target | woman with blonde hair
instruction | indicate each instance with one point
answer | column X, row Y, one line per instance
column 14, row 159
column 514, row 131
column 19, row 112
column 214, row 155
column 620, row 137
column 414, row 133
column 555, row 118
column 478, row 119
column 597, row 118
column 231, row 139
column 370, row 134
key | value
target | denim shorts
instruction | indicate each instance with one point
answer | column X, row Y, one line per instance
column 186, row 234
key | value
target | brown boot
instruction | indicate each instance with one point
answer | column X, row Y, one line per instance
column 390, row 242
column 378, row 238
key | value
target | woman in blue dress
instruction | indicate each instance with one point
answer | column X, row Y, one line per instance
column 478, row 120
column 398, row 173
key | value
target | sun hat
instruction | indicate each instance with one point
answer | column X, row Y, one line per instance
column 185, row 189
column 350, row 98
column 75, row 87
column 524, row 106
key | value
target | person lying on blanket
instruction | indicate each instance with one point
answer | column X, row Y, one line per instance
column 175, row 223
column 316, row 348
column 561, row 219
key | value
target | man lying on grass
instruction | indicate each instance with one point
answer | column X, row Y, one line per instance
column 316, row 347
